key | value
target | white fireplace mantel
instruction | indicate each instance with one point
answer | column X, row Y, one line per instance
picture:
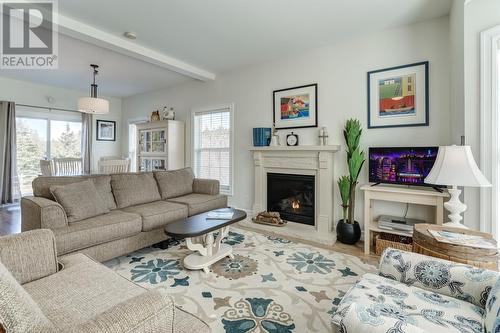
column 304, row 160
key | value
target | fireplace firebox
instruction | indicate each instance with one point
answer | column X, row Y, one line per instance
column 292, row 196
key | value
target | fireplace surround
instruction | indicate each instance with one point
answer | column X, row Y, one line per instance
column 312, row 161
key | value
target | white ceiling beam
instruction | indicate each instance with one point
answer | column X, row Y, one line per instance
column 87, row 33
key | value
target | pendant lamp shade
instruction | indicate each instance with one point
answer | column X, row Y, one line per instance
column 93, row 104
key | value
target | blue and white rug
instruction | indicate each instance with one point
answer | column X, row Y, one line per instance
column 272, row 285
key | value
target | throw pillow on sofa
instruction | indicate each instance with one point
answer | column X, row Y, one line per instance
column 134, row 189
column 80, row 200
column 175, row 183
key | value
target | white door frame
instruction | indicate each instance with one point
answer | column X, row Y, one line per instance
column 490, row 130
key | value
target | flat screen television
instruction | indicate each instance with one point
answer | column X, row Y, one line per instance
column 401, row 165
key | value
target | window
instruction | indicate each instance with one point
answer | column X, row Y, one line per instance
column 213, row 145
column 44, row 135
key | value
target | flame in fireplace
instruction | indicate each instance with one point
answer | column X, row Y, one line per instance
column 295, row 204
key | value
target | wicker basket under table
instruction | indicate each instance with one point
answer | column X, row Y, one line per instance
column 385, row 240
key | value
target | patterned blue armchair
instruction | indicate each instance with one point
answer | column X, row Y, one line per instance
column 414, row 293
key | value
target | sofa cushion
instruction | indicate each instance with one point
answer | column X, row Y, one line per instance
column 79, row 292
column 41, row 186
column 80, row 200
column 492, row 318
column 97, row 230
column 157, row 214
column 200, row 203
column 18, row 311
column 377, row 299
column 134, row 189
column 175, row 183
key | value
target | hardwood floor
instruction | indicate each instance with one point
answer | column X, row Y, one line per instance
column 10, row 220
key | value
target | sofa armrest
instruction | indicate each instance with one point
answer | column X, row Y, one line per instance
column 352, row 323
column 41, row 213
column 444, row 277
column 152, row 311
column 206, row 186
column 29, row 255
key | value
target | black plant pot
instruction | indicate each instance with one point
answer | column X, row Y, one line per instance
column 348, row 233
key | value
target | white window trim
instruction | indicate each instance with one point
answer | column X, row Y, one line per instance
column 229, row 106
column 489, row 131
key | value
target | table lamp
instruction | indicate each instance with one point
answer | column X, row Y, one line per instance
column 455, row 166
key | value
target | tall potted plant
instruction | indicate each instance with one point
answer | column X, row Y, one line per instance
column 348, row 229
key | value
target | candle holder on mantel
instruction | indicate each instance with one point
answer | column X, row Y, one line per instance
column 323, row 136
column 275, row 138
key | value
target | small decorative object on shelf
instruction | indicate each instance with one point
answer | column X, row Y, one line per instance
column 155, row 115
column 261, row 136
column 292, row 139
column 348, row 230
column 275, row 138
column 323, row 136
column 168, row 113
column 269, row 218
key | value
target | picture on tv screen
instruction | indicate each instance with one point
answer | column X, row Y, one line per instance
column 407, row 166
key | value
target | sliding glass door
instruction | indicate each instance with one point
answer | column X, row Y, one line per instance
column 42, row 138
column 32, row 146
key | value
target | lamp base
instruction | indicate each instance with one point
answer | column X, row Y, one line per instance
column 455, row 207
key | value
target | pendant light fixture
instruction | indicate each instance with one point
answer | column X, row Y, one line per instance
column 93, row 104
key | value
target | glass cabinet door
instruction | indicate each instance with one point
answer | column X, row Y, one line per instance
column 153, row 164
column 153, row 141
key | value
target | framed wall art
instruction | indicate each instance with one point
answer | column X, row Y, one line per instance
column 399, row 96
column 106, row 130
column 296, row 107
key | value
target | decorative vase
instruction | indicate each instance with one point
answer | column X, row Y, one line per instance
column 348, row 233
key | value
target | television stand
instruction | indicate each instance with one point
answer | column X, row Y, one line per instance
column 425, row 197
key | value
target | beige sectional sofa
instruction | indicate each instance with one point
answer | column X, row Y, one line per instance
column 126, row 212
column 38, row 293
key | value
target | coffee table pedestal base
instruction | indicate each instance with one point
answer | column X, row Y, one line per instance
column 208, row 250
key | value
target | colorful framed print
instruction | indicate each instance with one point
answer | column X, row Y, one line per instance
column 106, row 130
column 399, row 96
column 296, row 107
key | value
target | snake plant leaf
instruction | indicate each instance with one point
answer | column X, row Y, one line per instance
column 352, row 135
column 344, row 186
column 355, row 164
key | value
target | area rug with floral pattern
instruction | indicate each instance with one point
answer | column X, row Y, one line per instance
column 272, row 285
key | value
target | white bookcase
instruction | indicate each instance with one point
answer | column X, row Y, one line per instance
column 160, row 145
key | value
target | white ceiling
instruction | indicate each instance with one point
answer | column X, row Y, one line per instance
column 213, row 35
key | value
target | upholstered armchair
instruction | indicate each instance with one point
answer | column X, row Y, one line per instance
column 414, row 294
column 38, row 293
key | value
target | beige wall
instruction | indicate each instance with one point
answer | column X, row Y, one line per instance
column 479, row 15
column 340, row 71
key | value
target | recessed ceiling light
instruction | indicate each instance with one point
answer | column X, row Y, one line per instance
column 130, row 35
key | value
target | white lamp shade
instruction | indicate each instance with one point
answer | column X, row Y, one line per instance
column 455, row 166
column 93, row 105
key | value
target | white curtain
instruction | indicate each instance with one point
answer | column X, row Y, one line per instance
column 87, row 142
column 10, row 191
